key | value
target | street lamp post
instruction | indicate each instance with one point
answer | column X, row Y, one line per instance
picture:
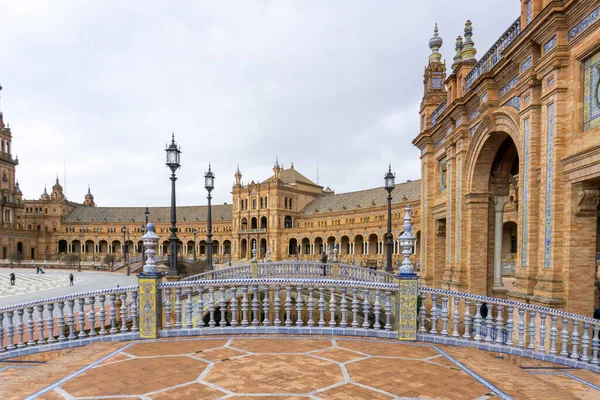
column 195, row 232
column 209, row 184
column 389, row 186
column 146, row 214
column 124, row 231
column 11, row 252
column 173, row 154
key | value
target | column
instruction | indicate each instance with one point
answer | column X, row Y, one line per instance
column 499, row 201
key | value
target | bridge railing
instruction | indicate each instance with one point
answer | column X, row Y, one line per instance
column 298, row 269
column 524, row 329
column 279, row 302
column 55, row 322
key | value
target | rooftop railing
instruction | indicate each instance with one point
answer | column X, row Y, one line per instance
column 493, row 55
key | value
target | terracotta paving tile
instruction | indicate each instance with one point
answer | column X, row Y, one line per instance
column 117, row 357
column 173, row 347
column 111, row 380
column 586, row 375
column 508, row 378
column 285, row 373
column 269, row 398
column 402, row 376
column 51, row 396
column 192, row 392
column 219, row 354
column 350, row 391
column 572, row 386
column 389, row 349
column 280, row 345
column 337, row 354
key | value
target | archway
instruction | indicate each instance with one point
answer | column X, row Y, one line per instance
column 306, row 246
column 89, row 246
column 330, row 244
column 253, row 223
column 244, row 224
column 62, row 246
column 243, row 248
column 293, row 246
column 318, row 245
column 263, row 222
column 287, row 222
column 263, row 248
column 494, row 177
column 509, row 248
column 373, row 243
column 116, row 247
column 75, row 246
column 227, row 247
column 103, row 246
column 359, row 245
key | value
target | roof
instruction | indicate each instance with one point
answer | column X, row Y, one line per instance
column 292, row 176
column 376, row 197
column 157, row 214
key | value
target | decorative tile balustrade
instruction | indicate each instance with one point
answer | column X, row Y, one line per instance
column 438, row 111
column 493, row 55
column 508, row 86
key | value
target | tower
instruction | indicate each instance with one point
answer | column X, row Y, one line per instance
column 434, row 91
column 89, row 199
column 238, row 176
column 11, row 194
column 57, row 191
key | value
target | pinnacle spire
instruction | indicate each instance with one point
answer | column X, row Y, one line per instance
column 468, row 51
column 435, row 43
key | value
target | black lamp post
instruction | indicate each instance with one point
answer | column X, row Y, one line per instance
column 146, row 214
column 195, row 232
column 209, row 184
column 173, row 154
column 10, row 244
column 124, row 246
column 79, row 265
column 389, row 186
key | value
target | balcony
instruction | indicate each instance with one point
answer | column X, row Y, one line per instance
column 263, row 230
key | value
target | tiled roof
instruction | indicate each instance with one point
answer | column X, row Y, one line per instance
column 291, row 176
column 376, row 197
column 157, row 214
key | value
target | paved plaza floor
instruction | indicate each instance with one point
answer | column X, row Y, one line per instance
column 30, row 286
column 264, row 367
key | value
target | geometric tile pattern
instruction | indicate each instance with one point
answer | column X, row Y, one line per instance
column 549, row 174
column 270, row 367
column 591, row 95
column 525, row 218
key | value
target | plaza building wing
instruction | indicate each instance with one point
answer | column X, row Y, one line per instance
column 136, row 214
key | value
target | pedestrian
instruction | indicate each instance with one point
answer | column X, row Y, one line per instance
column 71, row 279
column 324, row 261
column 12, row 278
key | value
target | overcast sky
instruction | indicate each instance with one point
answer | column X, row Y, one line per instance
column 336, row 83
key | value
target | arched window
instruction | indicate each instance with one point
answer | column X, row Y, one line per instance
column 287, row 222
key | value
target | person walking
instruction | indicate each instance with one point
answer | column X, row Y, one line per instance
column 324, row 261
column 71, row 279
column 12, row 278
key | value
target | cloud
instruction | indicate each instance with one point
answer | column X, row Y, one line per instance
column 103, row 84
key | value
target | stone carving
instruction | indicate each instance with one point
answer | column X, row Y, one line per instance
column 587, row 201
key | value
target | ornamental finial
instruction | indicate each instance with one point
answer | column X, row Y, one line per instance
column 468, row 52
column 407, row 241
column 435, row 43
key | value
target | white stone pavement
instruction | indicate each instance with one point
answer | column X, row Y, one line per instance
column 30, row 286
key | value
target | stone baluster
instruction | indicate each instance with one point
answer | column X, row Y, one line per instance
column 266, row 307
column 343, row 308
column 377, row 310
column 200, row 307
column 499, row 324
column 422, row 313
column 434, row 315
column 244, row 306
column 102, row 315
column 81, row 318
column 468, row 319
column 92, row 315
column 2, row 349
column 521, row 329
column 20, row 329
column 178, row 314
column 10, row 331
column 124, row 312
column 51, row 338
column 564, row 337
column 40, row 324
column 321, row 306
column 113, row 314
column 332, row 323
column 134, row 311
column 354, row 308
column 595, row 344
column 167, row 308
column 255, row 306
column 233, row 305
column 71, row 320
column 510, row 326
column 223, row 307
column 542, row 345
column 575, row 340
column 188, row 308
column 553, row 334
column 456, row 316
column 30, row 326
column 388, row 311
column 366, row 308
column 531, row 330
column 311, row 305
column 477, row 324
column 277, row 306
column 299, row 306
column 288, row 305
column 211, row 307
column 61, row 321
column 489, row 323
column 444, row 316
column 585, row 342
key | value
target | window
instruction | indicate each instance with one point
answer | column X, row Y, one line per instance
column 254, row 204
column 591, row 92
column 285, row 204
column 513, row 244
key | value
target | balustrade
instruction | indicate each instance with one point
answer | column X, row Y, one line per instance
column 43, row 327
